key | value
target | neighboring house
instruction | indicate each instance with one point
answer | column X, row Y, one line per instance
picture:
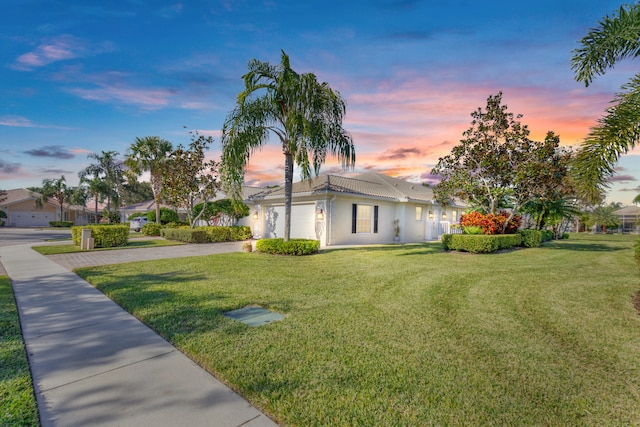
column 22, row 211
column 629, row 219
column 347, row 211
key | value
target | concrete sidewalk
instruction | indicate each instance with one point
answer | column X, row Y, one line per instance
column 94, row 364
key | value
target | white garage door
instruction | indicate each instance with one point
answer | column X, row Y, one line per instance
column 302, row 222
column 31, row 219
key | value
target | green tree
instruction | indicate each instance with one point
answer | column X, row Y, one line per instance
column 150, row 154
column 615, row 38
column 134, row 191
column 105, row 177
column 189, row 179
column 497, row 166
column 222, row 212
column 305, row 115
column 56, row 189
column 605, row 218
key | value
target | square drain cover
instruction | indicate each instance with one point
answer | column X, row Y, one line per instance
column 254, row 316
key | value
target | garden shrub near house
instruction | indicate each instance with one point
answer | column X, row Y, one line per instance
column 240, row 232
column 151, row 229
column 531, row 238
column 480, row 244
column 217, row 234
column 187, row 235
column 166, row 215
column 105, row 236
column 491, row 223
column 292, row 247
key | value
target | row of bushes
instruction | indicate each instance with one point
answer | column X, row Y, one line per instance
column 292, row 247
column 105, row 236
column 60, row 224
column 483, row 243
column 208, row 234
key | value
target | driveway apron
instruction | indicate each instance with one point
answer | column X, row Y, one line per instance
column 94, row 364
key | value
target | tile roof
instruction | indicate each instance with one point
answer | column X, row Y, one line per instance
column 18, row 195
column 628, row 211
column 369, row 184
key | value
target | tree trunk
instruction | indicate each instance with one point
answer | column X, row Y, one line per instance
column 288, row 187
column 156, row 186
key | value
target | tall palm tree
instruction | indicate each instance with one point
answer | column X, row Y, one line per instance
column 615, row 38
column 105, row 177
column 150, row 154
column 305, row 115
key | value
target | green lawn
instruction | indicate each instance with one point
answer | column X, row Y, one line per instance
column 17, row 401
column 69, row 249
column 409, row 335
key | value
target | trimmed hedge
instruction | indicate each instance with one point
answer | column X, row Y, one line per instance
column 531, row 238
column 240, row 232
column 105, row 236
column 480, row 244
column 547, row 235
column 216, row 234
column 151, row 229
column 60, row 223
column 187, row 235
column 292, row 247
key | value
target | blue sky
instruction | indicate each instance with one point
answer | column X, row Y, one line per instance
column 79, row 77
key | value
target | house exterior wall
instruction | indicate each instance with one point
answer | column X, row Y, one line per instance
column 329, row 219
column 340, row 222
column 25, row 214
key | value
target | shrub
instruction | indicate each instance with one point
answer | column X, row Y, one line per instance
column 546, row 235
column 176, row 224
column 446, row 242
column 217, row 234
column 531, row 238
column 490, row 223
column 472, row 229
column 565, row 236
column 105, row 236
column 60, row 223
column 187, row 235
column 292, row 247
column 166, row 215
column 481, row 243
column 151, row 229
column 240, row 232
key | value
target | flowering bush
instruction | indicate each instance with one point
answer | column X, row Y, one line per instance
column 490, row 223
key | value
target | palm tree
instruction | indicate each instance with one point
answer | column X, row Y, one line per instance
column 615, row 38
column 106, row 178
column 604, row 217
column 57, row 189
column 305, row 115
column 150, row 154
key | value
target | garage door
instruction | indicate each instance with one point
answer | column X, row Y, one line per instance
column 31, row 219
column 302, row 221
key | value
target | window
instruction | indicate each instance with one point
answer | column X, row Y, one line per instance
column 454, row 216
column 418, row 213
column 363, row 218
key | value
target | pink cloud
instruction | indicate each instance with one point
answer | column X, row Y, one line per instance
column 59, row 48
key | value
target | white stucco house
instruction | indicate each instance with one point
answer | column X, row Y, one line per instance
column 363, row 209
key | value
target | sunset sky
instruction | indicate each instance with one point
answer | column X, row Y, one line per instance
column 79, row 77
